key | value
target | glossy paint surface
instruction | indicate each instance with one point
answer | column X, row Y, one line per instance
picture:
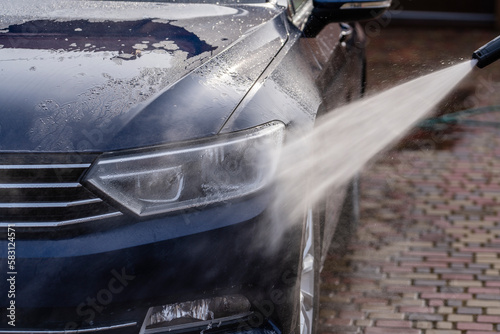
column 74, row 84
column 103, row 76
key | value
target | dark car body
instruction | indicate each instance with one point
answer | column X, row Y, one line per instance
column 83, row 82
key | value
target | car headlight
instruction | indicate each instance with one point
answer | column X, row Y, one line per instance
column 174, row 177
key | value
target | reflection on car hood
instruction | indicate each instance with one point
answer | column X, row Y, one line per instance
column 99, row 76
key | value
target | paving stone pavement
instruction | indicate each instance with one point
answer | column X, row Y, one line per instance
column 425, row 257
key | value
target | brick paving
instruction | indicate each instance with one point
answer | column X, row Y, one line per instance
column 426, row 255
column 396, row 54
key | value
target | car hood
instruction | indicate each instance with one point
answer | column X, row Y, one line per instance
column 101, row 76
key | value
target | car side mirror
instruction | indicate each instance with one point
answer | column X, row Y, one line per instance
column 328, row 11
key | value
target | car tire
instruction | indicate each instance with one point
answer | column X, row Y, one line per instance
column 310, row 274
column 311, row 254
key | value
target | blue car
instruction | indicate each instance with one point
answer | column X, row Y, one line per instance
column 138, row 161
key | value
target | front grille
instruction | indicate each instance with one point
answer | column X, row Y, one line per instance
column 47, row 194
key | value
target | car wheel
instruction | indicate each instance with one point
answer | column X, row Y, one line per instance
column 309, row 278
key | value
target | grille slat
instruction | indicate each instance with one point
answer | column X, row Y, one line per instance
column 39, row 167
column 48, row 205
column 43, row 195
column 39, row 185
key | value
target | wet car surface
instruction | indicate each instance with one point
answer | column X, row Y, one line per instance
column 137, row 145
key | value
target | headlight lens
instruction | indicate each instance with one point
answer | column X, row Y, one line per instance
column 168, row 178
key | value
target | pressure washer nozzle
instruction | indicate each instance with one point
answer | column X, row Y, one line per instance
column 488, row 53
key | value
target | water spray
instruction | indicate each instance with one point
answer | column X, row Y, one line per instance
column 488, row 53
column 346, row 139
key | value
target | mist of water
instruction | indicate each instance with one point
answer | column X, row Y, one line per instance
column 347, row 138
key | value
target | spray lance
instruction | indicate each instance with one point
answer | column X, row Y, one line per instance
column 488, row 53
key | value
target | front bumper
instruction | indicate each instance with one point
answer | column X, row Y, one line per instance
column 106, row 281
